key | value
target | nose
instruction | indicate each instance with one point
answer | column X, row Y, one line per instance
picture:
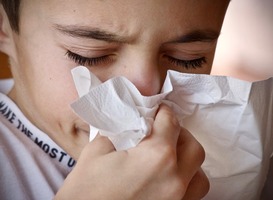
column 146, row 80
column 140, row 67
column 144, row 74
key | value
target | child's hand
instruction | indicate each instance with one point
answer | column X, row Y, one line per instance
column 164, row 166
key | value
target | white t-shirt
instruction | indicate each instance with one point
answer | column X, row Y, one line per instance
column 32, row 166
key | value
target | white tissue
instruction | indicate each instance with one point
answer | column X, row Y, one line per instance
column 115, row 108
column 232, row 119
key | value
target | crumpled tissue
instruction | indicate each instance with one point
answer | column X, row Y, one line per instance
column 115, row 109
column 231, row 118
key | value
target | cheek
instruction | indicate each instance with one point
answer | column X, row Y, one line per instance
column 55, row 87
column 47, row 81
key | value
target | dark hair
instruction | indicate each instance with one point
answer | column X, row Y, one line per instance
column 12, row 9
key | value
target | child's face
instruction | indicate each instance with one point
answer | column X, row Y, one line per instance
column 138, row 39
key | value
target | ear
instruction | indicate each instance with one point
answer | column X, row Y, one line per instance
column 6, row 33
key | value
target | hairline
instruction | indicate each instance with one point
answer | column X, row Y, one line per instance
column 12, row 9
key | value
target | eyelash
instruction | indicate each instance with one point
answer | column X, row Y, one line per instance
column 87, row 61
column 187, row 64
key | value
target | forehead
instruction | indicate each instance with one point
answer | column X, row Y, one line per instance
column 87, row 9
column 130, row 15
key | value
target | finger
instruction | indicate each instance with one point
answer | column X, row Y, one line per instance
column 166, row 127
column 190, row 154
column 99, row 146
column 198, row 187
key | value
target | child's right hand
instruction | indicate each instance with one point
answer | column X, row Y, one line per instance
column 164, row 166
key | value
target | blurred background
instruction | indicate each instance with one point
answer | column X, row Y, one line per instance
column 4, row 70
column 245, row 47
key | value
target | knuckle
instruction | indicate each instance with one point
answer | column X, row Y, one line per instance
column 163, row 158
column 206, row 187
column 169, row 118
column 167, row 155
column 200, row 184
column 178, row 188
column 198, row 151
column 174, row 190
column 204, row 181
column 173, row 121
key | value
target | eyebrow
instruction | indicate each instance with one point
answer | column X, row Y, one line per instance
column 98, row 34
column 198, row 36
column 90, row 33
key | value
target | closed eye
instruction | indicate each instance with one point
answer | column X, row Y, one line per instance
column 85, row 61
column 187, row 64
column 81, row 60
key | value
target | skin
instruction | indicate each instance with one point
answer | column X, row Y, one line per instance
column 140, row 40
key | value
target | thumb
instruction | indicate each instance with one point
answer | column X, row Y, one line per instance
column 166, row 127
column 101, row 145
